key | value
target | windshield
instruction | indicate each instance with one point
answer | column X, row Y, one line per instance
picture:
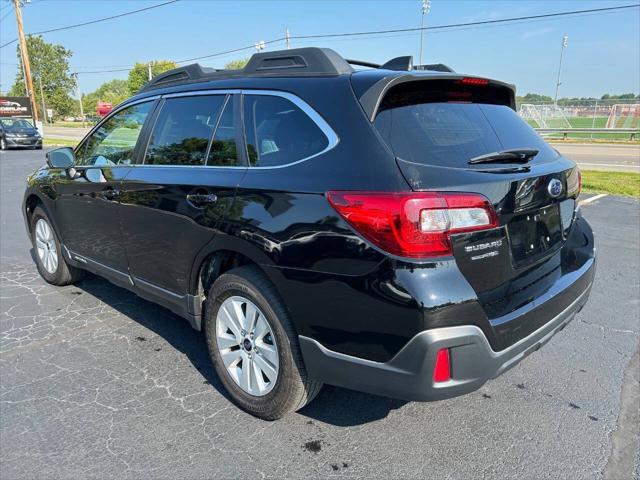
column 435, row 130
column 14, row 123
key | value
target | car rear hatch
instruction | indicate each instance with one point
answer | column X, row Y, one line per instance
column 463, row 135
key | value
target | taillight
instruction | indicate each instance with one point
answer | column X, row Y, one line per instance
column 574, row 182
column 416, row 225
column 473, row 81
column 579, row 181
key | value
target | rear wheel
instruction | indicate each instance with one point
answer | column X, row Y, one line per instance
column 254, row 346
column 48, row 252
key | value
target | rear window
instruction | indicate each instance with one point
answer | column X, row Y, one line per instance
column 449, row 126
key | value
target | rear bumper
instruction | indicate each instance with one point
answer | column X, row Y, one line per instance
column 409, row 374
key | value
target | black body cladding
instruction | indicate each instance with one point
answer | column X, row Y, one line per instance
column 137, row 223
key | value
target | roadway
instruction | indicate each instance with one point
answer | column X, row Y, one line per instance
column 597, row 156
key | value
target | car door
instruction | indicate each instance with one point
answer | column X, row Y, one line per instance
column 87, row 207
column 174, row 200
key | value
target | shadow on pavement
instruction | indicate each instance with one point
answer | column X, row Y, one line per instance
column 335, row 406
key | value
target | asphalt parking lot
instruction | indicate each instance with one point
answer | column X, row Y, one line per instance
column 98, row 383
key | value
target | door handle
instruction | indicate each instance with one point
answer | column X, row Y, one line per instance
column 200, row 200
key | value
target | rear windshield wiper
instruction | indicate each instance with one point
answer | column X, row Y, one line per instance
column 516, row 155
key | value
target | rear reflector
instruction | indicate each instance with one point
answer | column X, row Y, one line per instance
column 442, row 370
column 415, row 225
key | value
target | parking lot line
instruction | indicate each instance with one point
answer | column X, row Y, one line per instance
column 592, row 199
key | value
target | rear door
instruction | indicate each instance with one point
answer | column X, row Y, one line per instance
column 447, row 135
column 174, row 200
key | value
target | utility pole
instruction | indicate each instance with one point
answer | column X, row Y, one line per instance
column 44, row 109
column 287, row 38
column 558, row 83
column 75, row 76
column 426, row 8
column 150, row 72
column 24, row 53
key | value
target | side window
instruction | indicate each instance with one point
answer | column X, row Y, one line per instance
column 278, row 132
column 114, row 141
column 223, row 147
column 182, row 131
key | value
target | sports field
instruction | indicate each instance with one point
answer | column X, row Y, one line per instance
column 597, row 122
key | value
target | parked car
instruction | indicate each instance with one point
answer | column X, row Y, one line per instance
column 18, row 133
column 396, row 231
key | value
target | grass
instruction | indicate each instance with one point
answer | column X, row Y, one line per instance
column 71, row 124
column 589, row 122
column 59, row 142
column 615, row 183
column 560, row 140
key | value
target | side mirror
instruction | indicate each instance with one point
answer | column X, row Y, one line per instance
column 61, row 158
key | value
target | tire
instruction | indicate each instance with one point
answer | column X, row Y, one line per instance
column 63, row 273
column 292, row 389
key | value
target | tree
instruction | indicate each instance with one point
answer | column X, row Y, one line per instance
column 139, row 75
column 236, row 64
column 114, row 92
column 535, row 98
column 49, row 64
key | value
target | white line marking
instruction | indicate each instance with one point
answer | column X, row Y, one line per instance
column 592, row 199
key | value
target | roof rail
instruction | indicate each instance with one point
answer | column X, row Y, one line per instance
column 311, row 61
column 435, row 67
column 404, row 63
column 179, row 75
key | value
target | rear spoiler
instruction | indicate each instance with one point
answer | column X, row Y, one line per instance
column 372, row 97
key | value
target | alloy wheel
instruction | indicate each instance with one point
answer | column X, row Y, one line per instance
column 46, row 246
column 247, row 346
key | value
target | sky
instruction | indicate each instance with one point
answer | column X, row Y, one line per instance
column 602, row 56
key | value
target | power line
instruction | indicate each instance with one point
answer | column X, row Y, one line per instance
column 437, row 32
column 91, row 22
column 235, row 50
column 455, row 26
column 9, row 12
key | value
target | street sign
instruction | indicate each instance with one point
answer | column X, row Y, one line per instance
column 15, row 107
column 50, row 113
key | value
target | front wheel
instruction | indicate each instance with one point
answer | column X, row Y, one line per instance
column 48, row 252
column 254, row 347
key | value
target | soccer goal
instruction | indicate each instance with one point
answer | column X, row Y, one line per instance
column 544, row 116
column 624, row 115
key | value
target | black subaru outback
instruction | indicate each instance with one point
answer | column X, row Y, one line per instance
column 397, row 230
